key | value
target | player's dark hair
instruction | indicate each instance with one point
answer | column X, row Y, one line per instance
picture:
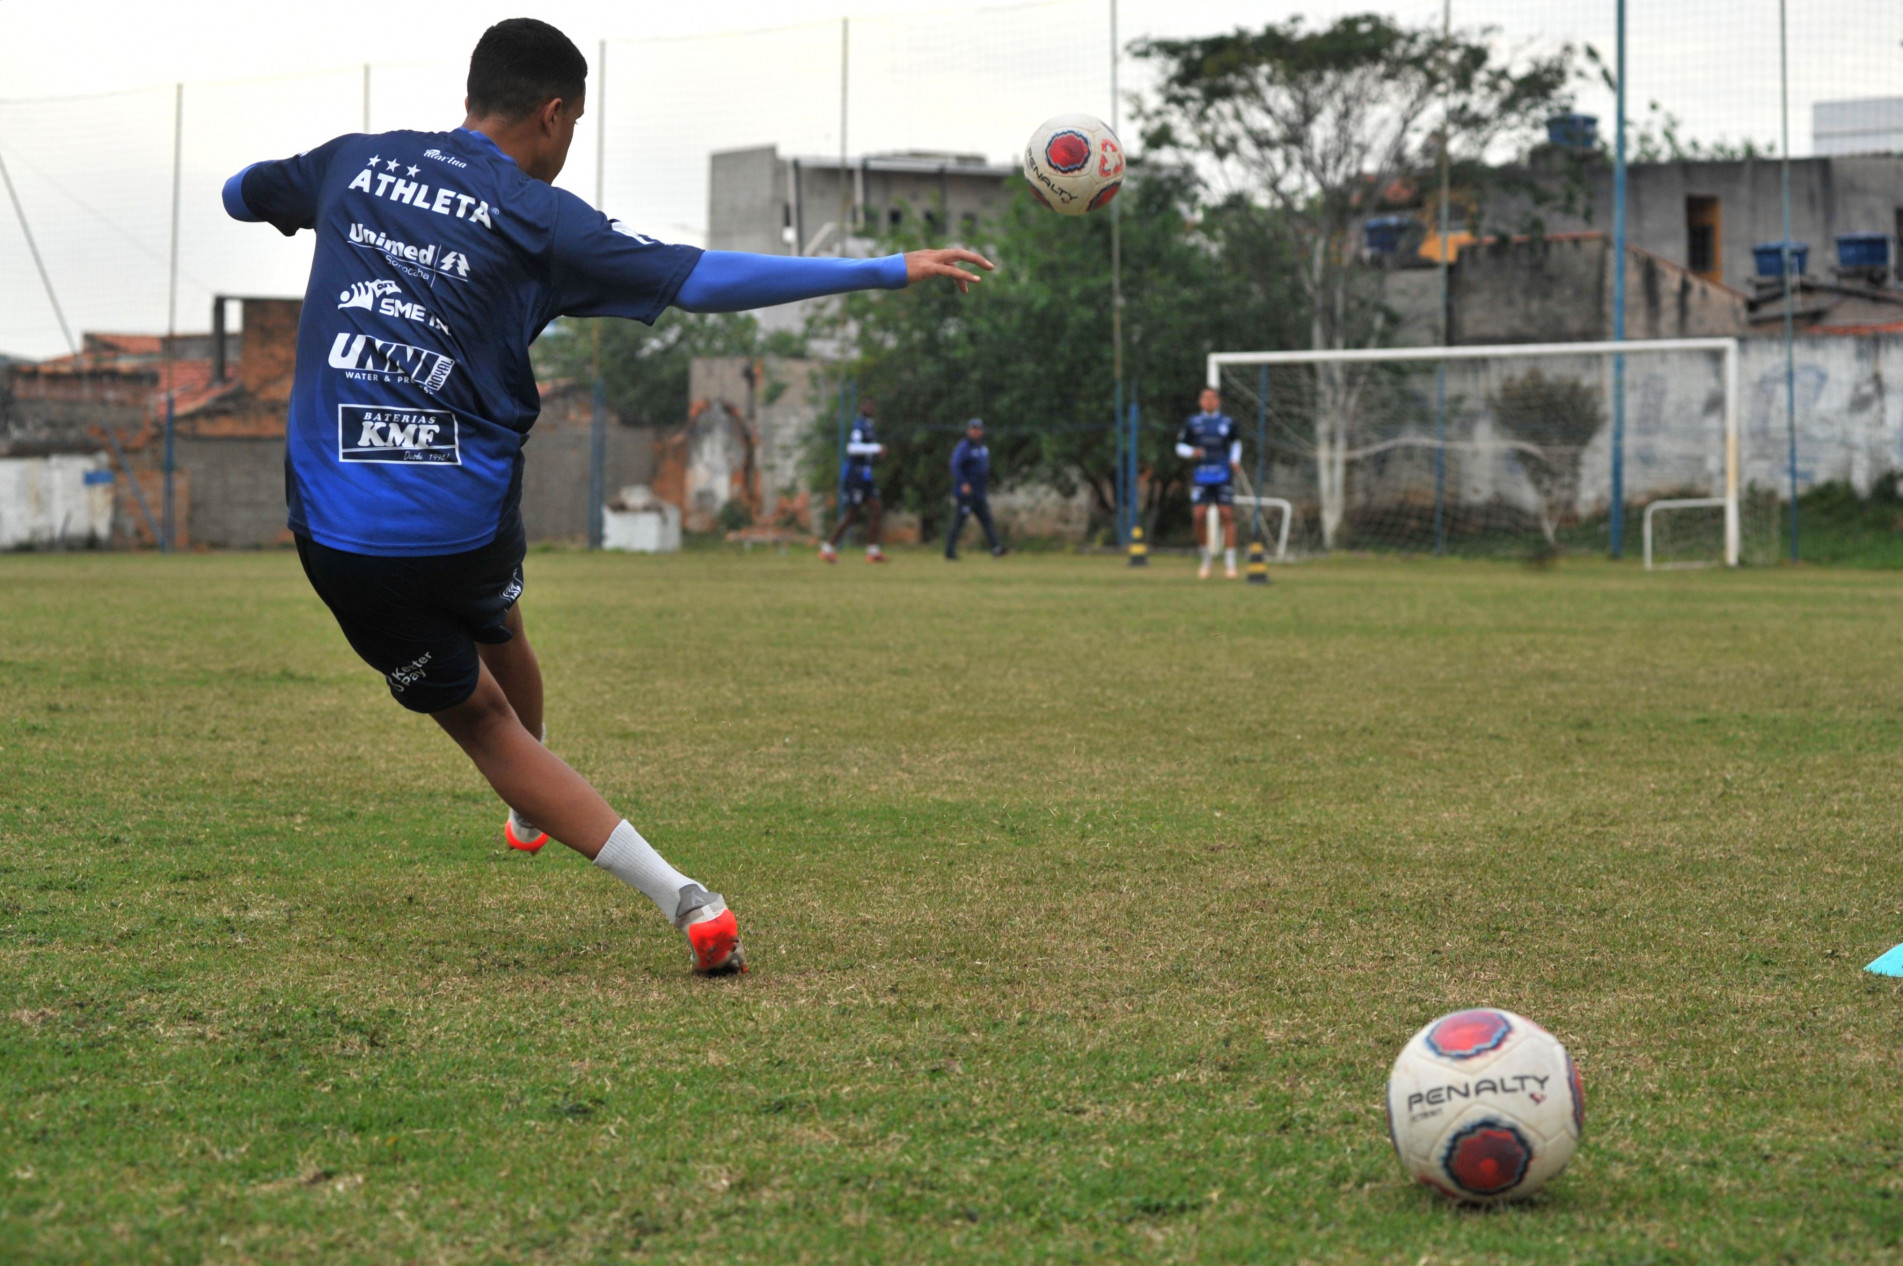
column 520, row 64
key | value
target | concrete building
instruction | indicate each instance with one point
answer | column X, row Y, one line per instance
column 1705, row 216
column 1557, row 290
column 1871, row 125
column 758, row 201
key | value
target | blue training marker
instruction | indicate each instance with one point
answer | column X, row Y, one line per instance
column 1887, row 964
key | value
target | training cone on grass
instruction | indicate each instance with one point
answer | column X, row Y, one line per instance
column 1888, row 963
column 1258, row 564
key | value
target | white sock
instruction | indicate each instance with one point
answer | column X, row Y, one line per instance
column 634, row 862
column 1229, row 558
column 1203, row 554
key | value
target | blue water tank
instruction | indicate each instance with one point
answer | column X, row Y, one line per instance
column 1863, row 250
column 1770, row 258
column 1382, row 233
column 1572, row 131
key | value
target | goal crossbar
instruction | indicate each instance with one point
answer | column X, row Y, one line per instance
column 1728, row 347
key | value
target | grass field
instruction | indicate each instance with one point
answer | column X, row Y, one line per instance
column 1087, row 908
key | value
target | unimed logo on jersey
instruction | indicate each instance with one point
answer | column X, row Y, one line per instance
column 374, row 433
column 375, row 360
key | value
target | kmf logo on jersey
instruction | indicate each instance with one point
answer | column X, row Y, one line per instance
column 373, row 433
column 369, row 359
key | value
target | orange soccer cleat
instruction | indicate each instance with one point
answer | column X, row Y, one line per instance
column 535, row 836
column 713, row 934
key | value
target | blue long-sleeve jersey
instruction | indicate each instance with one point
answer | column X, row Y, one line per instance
column 971, row 464
column 437, row 262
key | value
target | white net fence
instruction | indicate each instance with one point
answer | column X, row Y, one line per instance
column 1503, row 451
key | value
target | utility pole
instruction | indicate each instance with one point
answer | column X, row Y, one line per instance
column 845, row 190
column 170, row 510
column 366, row 96
column 1618, row 300
column 1790, row 276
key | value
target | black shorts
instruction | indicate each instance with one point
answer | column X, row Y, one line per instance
column 859, row 491
column 417, row 620
column 1221, row 494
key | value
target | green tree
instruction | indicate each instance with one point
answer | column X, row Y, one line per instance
column 1311, row 130
column 644, row 368
column 1552, row 420
column 1029, row 350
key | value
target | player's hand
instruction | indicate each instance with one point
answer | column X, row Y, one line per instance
column 944, row 263
column 965, row 488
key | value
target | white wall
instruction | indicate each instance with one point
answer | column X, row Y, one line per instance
column 45, row 502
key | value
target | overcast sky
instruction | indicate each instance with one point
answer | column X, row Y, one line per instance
column 86, row 104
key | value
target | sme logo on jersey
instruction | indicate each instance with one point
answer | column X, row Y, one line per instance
column 367, row 359
column 386, row 297
column 364, row 294
column 424, row 262
column 379, row 179
column 374, row 433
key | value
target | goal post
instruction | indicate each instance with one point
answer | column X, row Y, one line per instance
column 1477, row 448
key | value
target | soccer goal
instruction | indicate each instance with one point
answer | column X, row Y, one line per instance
column 1505, row 449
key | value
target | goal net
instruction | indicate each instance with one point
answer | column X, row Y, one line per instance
column 1502, row 450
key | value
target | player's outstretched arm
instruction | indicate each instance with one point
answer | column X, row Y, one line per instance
column 735, row 281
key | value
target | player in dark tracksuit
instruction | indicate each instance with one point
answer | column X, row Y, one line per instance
column 858, row 490
column 971, row 478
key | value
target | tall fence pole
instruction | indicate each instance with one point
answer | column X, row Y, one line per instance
column 598, row 412
column 171, row 326
column 1443, row 262
column 1790, row 279
column 1618, row 300
column 1116, row 296
column 366, row 96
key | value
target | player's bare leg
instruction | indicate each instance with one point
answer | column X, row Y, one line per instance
column 516, row 670
column 875, row 517
column 829, row 548
column 540, row 786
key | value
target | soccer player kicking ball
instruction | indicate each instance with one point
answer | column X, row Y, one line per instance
column 1211, row 440
column 440, row 256
column 858, row 490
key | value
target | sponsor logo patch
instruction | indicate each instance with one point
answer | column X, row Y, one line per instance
column 379, row 179
column 409, row 674
column 441, row 157
column 363, row 294
column 426, row 263
column 376, row 433
column 367, row 359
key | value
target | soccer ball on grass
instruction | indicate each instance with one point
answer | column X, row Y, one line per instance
column 1074, row 164
column 1484, row 1106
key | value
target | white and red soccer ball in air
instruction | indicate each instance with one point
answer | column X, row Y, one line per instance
column 1484, row 1106
column 1074, row 164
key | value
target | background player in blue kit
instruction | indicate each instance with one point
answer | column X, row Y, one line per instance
column 439, row 258
column 858, row 490
column 971, row 487
column 1210, row 439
